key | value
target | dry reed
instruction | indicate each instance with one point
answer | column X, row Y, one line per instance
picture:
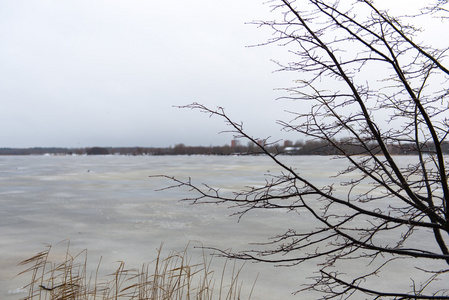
column 173, row 277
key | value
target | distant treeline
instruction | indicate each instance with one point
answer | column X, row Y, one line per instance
column 298, row 148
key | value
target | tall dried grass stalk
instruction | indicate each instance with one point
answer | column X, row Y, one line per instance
column 174, row 277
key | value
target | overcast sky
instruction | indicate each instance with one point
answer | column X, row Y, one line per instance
column 80, row 73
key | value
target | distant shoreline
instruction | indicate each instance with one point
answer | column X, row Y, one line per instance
column 134, row 151
column 308, row 148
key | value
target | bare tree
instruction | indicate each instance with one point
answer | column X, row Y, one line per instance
column 369, row 86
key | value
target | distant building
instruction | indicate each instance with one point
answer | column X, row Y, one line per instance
column 288, row 143
column 261, row 142
column 235, row 143
column 292, row 150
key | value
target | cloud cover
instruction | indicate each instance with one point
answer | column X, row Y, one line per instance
column 80, row 73
column 84, row 73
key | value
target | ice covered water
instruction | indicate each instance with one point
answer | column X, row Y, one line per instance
column 109, row 206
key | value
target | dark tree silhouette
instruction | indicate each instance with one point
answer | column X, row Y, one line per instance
column 368, row 86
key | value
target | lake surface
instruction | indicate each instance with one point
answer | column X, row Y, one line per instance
column 110, row 206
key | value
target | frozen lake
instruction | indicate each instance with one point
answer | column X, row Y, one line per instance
column 108, row 205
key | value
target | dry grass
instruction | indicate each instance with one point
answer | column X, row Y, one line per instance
column 173, row 277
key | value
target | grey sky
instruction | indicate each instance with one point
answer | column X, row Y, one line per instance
column 78, row 73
